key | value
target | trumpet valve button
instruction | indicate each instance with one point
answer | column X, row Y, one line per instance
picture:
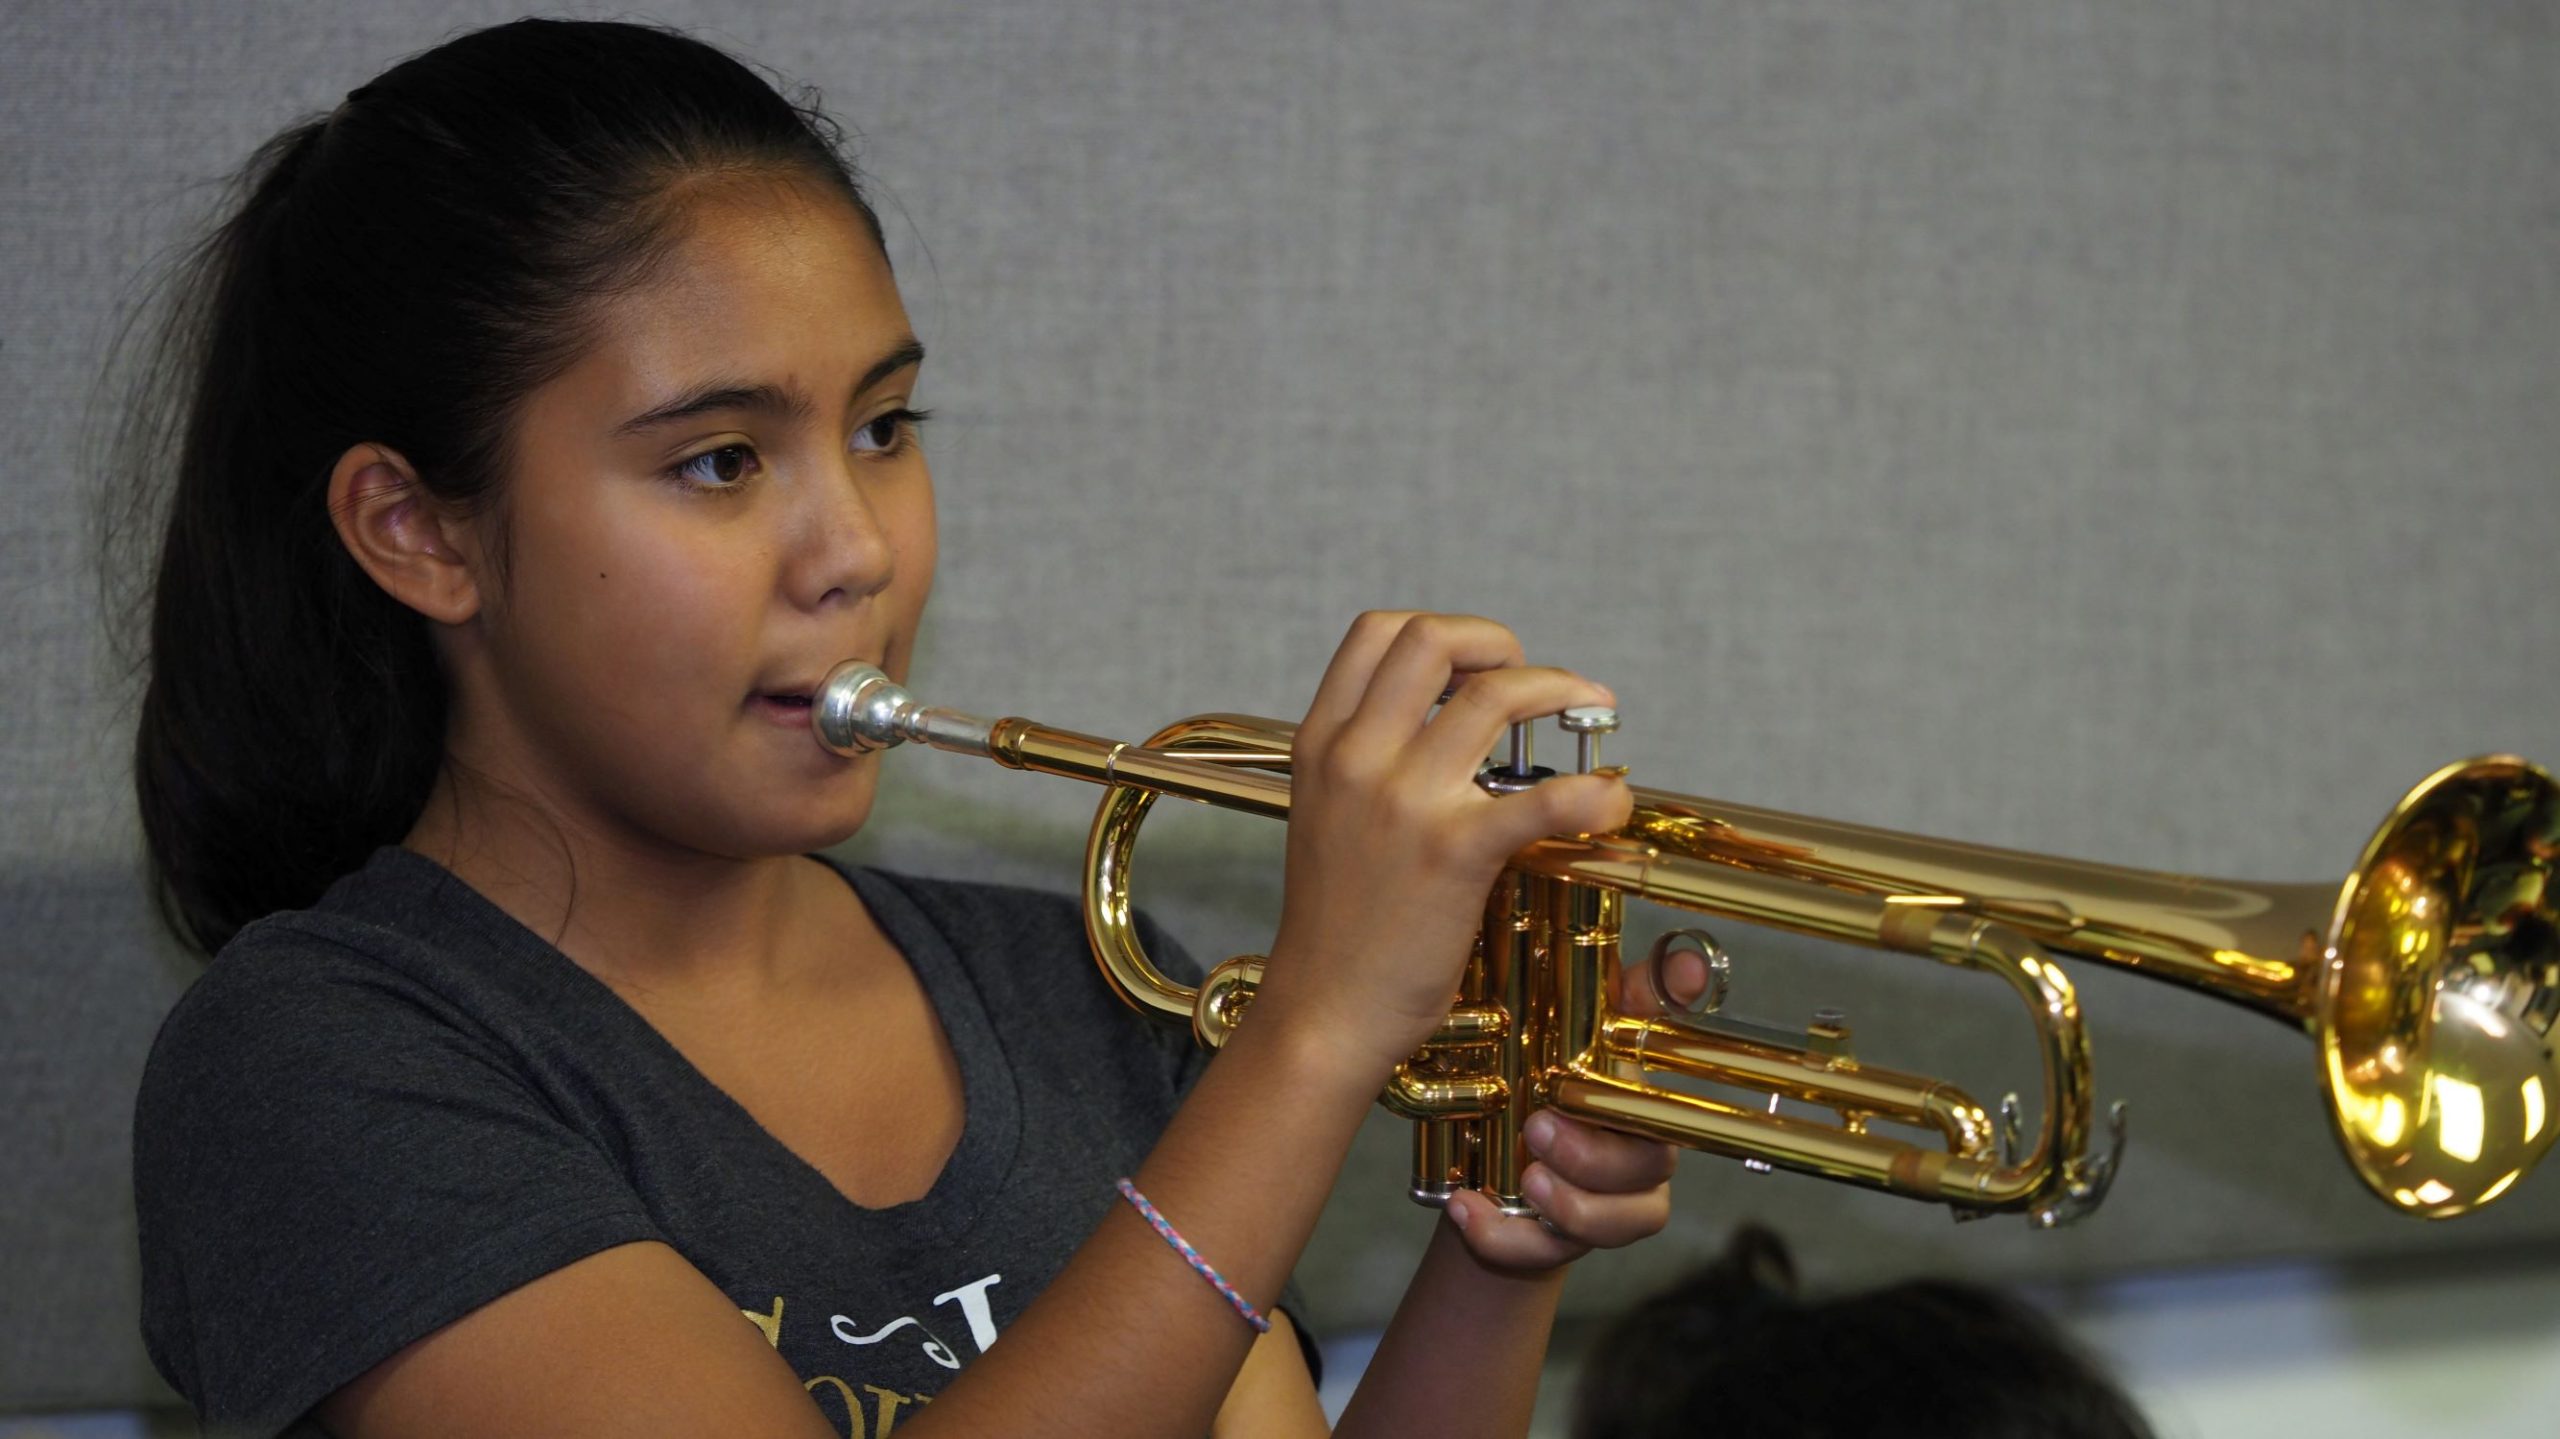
column 1587, row 723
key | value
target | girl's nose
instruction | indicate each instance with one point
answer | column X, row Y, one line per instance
column 839, row 549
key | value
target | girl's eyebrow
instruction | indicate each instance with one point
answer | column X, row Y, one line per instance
column 909, row 351
column 780, row 401
column 775, row 400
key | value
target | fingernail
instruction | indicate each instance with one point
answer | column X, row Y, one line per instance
column 1538, row 1187
column 1457, row 1212
column 1540, row 1131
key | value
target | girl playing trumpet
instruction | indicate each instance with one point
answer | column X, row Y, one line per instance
column 548, row 428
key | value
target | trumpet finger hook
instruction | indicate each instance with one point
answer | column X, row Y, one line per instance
column 1719, row 971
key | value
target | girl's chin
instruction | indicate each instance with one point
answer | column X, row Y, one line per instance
column 792, row 820
column 825, row 827
column 767, row 842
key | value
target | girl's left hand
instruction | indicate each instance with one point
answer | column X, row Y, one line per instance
column 1594, row 1188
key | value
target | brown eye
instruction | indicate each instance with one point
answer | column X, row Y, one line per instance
column 889, row 433
column 880, row 434
column 719, row 469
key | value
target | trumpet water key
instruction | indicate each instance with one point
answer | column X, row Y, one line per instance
column 2428, row 981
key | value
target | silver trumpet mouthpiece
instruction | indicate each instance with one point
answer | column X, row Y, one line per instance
column 860, row 709
column 856, row 711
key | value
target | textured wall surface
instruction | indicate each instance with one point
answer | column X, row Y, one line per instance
column 2120, row 430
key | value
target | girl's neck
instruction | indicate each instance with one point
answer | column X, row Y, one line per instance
column 634, row 914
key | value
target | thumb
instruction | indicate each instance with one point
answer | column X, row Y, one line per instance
column 1681, row 973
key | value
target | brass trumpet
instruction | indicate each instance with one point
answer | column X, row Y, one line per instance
column 2429, row 981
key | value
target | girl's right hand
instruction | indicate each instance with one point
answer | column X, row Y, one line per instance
column 1392, row 846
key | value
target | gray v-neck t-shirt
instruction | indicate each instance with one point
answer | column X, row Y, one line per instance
column 371, row 1117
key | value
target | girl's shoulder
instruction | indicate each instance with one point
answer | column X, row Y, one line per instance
column 401, row 945
column 985, row 923
column 1020, row 959
column 965, row 912
column 386, row 1105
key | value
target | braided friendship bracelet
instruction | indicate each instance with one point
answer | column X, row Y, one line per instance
column 1191, row 1256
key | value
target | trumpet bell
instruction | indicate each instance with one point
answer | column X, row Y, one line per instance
column 2438, row 986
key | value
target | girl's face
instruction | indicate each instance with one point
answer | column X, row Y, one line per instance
column 724, row 497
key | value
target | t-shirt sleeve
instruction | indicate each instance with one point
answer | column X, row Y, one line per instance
column 330, row 1164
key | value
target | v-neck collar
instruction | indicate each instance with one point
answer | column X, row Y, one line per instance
column 991, row 1123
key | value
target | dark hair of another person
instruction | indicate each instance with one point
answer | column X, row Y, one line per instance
column 402, row 271
column 1732, row 1351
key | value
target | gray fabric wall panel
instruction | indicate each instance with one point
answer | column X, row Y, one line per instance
column 2125, row 431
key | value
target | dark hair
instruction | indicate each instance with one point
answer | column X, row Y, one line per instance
column 403, row 270
column 1732, row 1350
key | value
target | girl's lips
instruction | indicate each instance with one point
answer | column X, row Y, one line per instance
column 789, row 704
column 789, row 711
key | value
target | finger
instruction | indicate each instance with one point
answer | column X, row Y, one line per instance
column 1509, row 1241
column 1684, row 976
column 1579, row 804
column 1346, row 677
column 1418, row 665
column 1565, row 805
column 1595, row 1159
column 1489, row 703
column 1603, row 1221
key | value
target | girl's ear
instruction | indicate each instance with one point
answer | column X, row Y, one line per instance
column 420, row 552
